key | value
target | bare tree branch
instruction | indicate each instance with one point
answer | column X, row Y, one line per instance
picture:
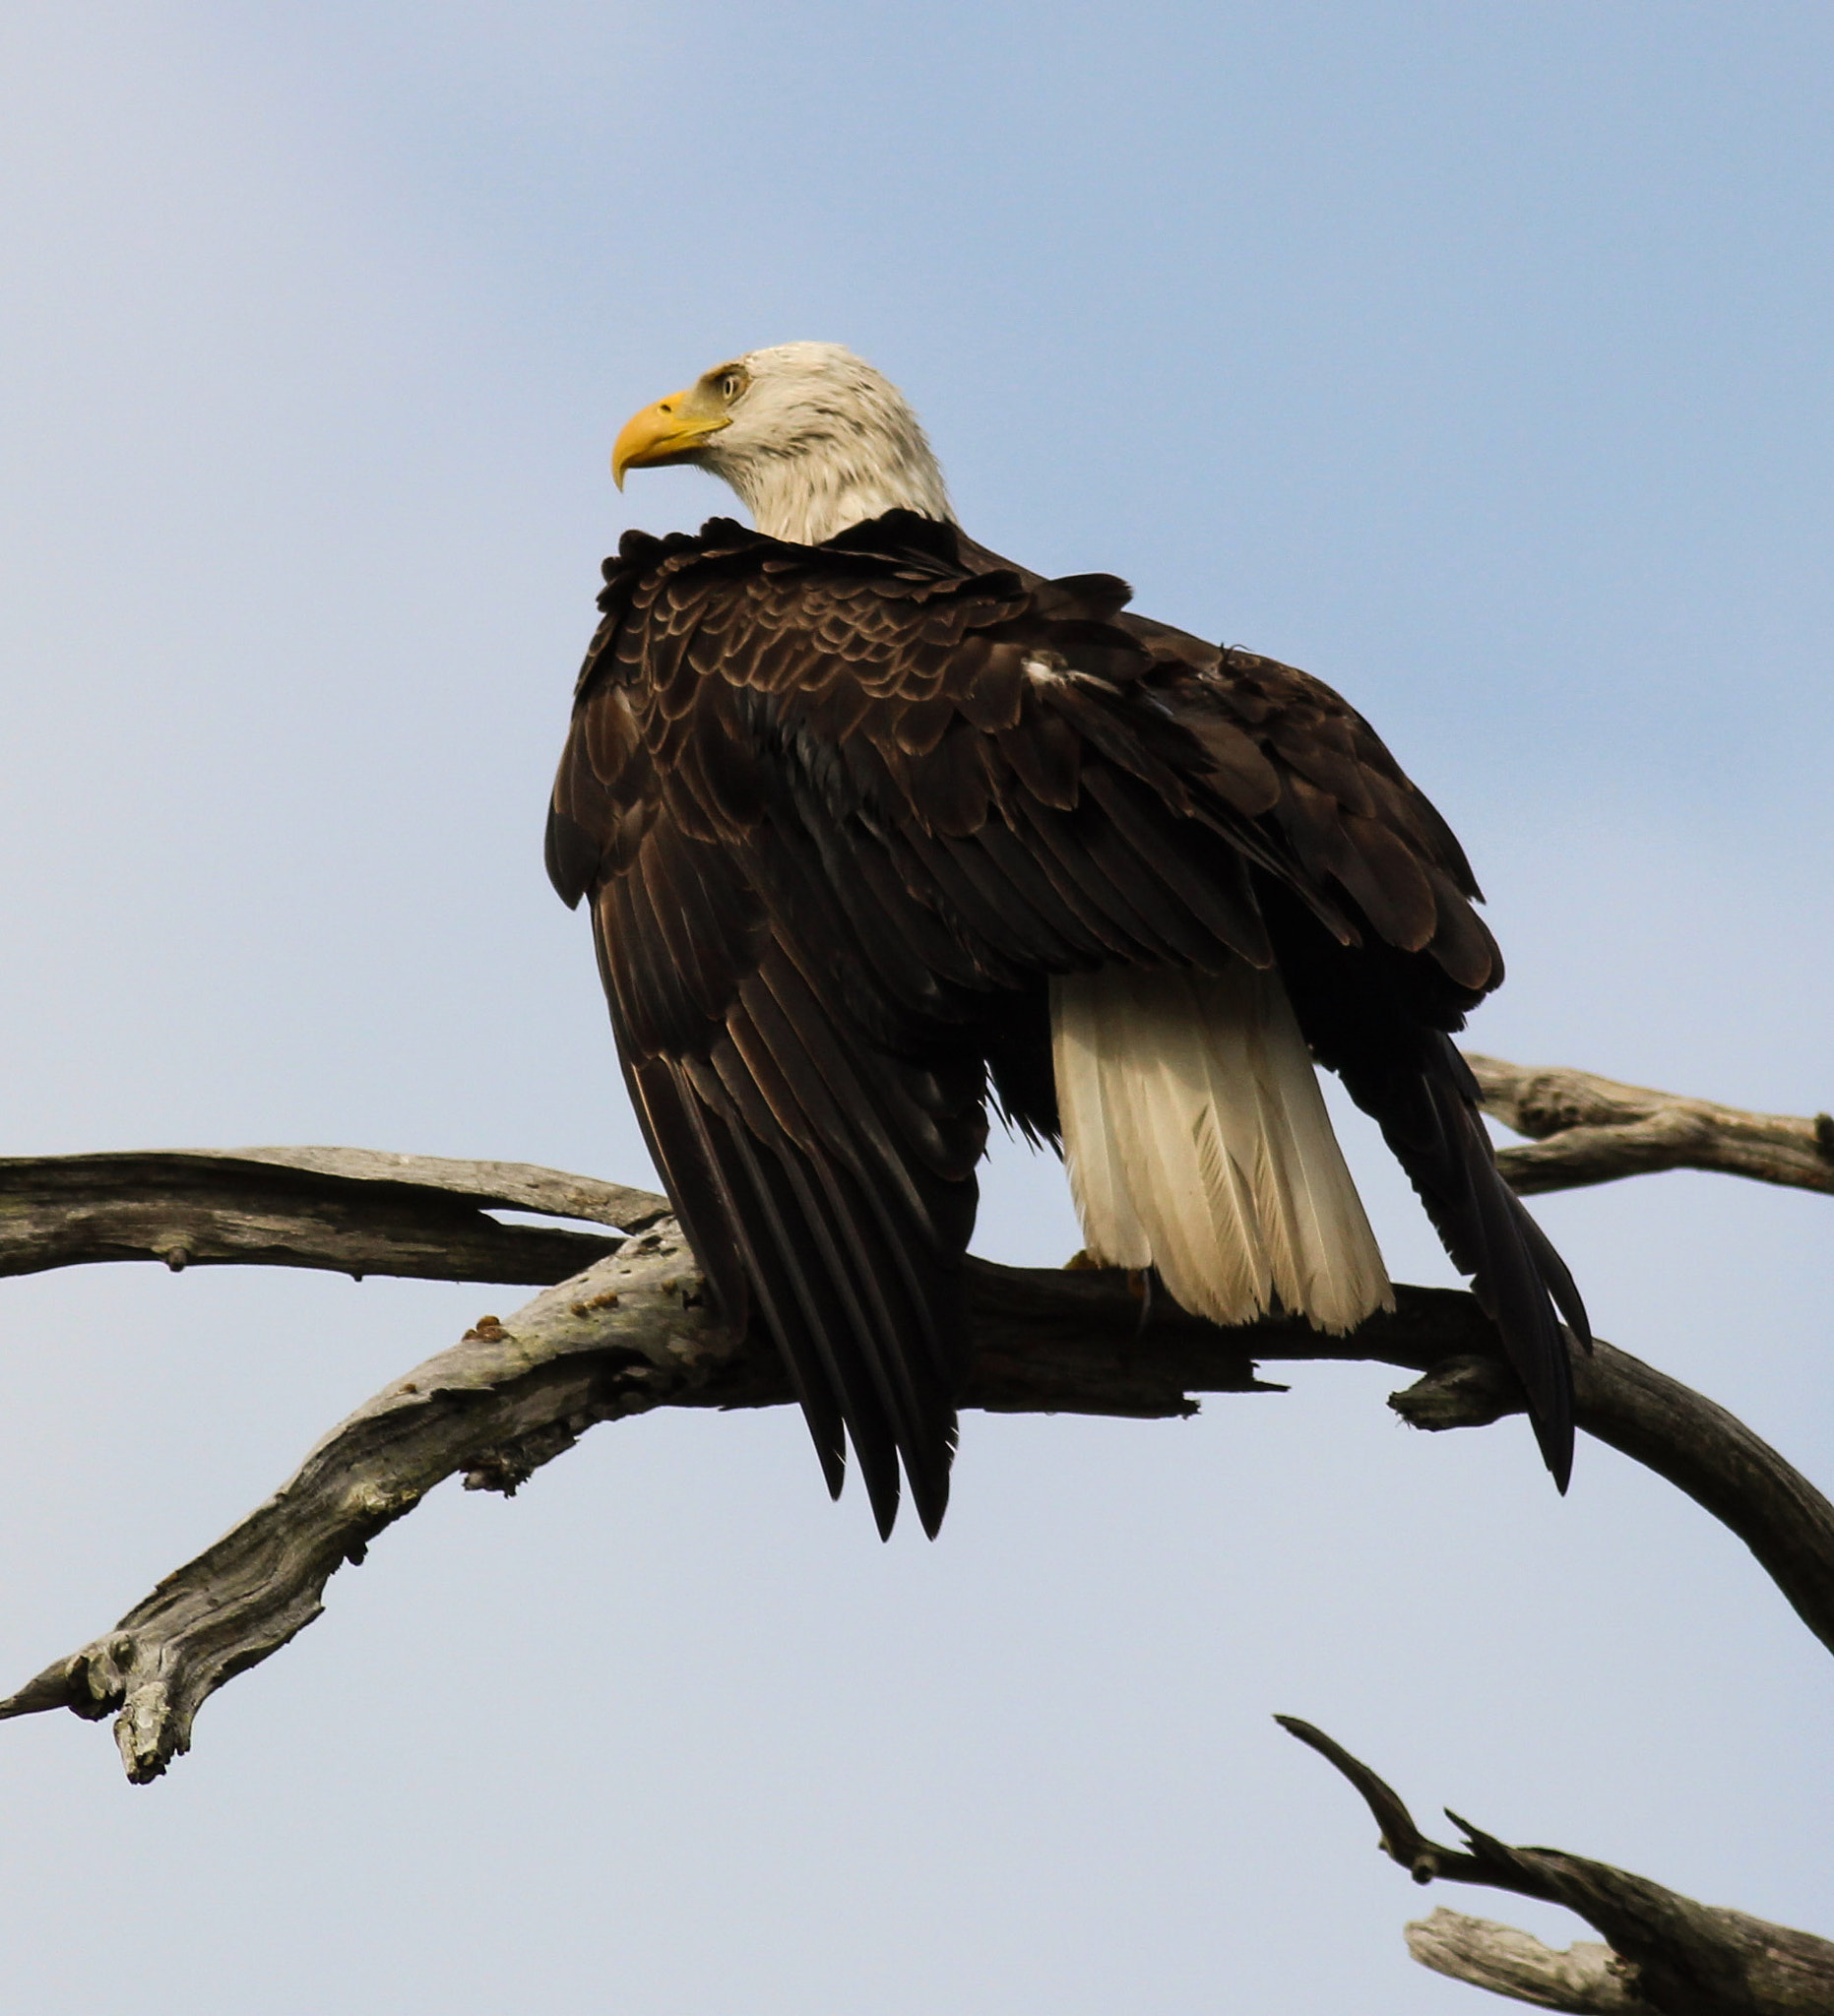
column 344, row 1209
column 633, row 1333
column 1593, row 1130
column 629, row 1334
column 1674, row 1957
column 617, row 1338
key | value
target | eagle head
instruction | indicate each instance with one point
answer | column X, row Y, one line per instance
column 811, row 437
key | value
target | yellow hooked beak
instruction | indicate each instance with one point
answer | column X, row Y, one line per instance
column 674, row 430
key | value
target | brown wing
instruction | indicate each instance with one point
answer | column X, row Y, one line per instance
column 1401, row 958
column 814, row 1105
column 840, row 810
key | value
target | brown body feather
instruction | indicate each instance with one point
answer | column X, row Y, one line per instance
column 842, row 813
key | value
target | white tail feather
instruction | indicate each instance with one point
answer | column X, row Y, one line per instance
column 1197, row 1141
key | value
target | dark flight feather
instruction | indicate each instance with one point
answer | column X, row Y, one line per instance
column 844, row 810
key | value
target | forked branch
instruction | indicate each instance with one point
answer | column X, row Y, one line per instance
column 1665, row 1954
column 630, row 1333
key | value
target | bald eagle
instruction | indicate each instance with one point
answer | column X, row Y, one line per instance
column 874, row 825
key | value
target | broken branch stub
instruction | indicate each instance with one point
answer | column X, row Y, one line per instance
column 1585, row 1978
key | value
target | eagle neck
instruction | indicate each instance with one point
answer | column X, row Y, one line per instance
column 806, row 498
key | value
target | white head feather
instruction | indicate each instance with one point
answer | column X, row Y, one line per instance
column 817, row 440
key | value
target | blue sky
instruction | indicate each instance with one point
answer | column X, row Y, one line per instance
column 1473, row 356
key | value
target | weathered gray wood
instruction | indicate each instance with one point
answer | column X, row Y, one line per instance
column 1586, row 1978
column 1679, row 1957
column 342, row 1209
column 633, row 1331
column 629, row 1334
column 513, row 1186
column 615, row 1340
column 1593, row 1130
